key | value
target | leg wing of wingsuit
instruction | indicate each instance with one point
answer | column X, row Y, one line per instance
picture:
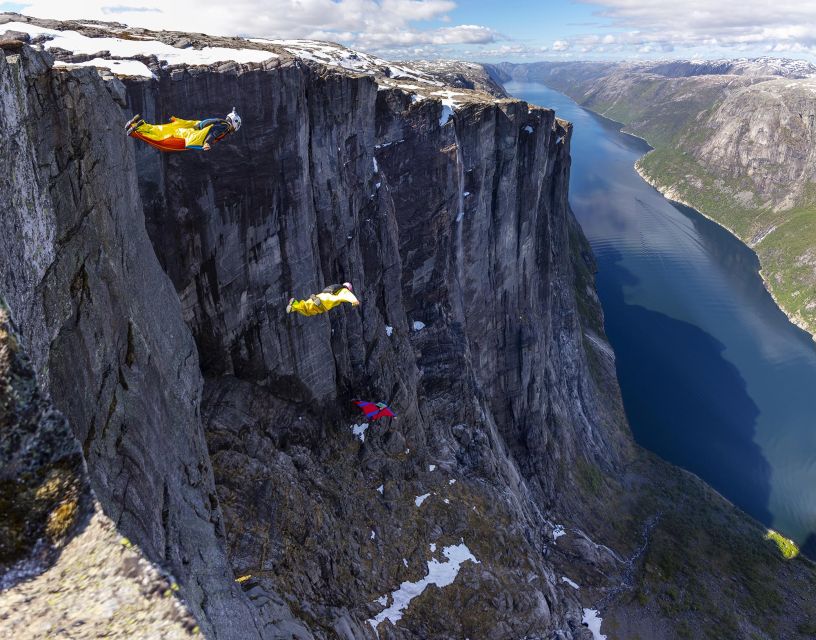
column 176, row 135
column 320, row 302
column 162, row 136
column 368, row 408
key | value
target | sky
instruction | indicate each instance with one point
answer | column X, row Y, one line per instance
column 483, row 30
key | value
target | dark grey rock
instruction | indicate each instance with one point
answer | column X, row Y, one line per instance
column 103, row 326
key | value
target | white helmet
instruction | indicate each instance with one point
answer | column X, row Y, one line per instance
column 347, row 285
column 234, row 119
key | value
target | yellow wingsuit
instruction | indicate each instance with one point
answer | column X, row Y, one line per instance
column 176, row 135
column 327, row 299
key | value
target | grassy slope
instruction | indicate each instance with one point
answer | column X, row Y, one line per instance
column 668, row 113
column 707, row 570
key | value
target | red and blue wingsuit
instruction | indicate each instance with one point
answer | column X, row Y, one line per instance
column 374, row 410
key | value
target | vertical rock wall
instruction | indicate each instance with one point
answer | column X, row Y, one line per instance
column 457, row 235
column 104, row 327
column 459, row 241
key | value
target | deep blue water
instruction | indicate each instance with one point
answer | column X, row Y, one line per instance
column 714, row 377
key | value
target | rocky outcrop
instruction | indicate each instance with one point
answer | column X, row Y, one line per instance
column 459, row 74
column 62, row 565
column 103, row 325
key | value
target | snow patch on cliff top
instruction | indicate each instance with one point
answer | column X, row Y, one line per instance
column 119, row 67
column 439, row 573
column 329, row 54
column 334, row 55
column 80, row 44
column 449, row 105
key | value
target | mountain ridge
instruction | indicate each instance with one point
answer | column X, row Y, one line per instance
column 735, row 147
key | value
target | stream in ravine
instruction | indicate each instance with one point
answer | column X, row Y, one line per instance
column 714, row 376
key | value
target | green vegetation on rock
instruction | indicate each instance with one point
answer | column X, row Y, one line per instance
column 787, row 547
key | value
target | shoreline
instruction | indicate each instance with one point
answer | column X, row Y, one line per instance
column 669, row 194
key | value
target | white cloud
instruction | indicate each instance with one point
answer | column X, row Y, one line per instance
column 423, row 28
column 659, row 26
column 462, row 34
column 364, row 24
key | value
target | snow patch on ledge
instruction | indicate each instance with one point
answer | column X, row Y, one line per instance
column 448, row 105
column 569, row 582
column 592, row 620
column 441, row 574
column 359, row 430
column 118, row 67
column 558, row 531
column 418, row 325
column 420, row 499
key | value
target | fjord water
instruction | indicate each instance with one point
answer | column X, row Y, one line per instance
column 714, row 377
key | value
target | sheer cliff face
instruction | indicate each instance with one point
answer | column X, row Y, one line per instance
column 217, row 430
column 103, row 324
column 457, row 239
